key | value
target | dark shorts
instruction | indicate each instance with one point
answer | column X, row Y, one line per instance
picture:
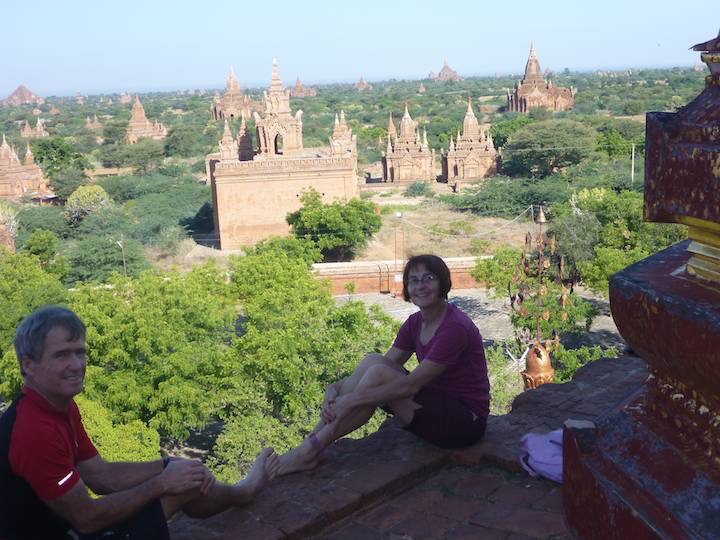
column 148, row 524
column 445, row 421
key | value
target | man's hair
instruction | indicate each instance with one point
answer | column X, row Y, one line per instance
column 32, row 331
column 435, row 265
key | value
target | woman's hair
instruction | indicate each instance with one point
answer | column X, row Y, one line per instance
column 435, row 265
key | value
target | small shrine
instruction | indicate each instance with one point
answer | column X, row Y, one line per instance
column 650, row 468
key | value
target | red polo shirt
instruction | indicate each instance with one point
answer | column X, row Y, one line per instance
column 46, row 445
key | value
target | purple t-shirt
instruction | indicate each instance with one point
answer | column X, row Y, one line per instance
column 457, row 343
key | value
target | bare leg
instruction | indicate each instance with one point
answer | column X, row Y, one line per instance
column 223, row 496
column 351, row 382
column 305, row 456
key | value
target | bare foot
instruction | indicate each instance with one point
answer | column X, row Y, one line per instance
column 263, row 471
column 298, row 459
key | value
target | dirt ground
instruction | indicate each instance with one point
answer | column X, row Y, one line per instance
column 424, row 226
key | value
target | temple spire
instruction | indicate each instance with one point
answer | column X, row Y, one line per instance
column 275, row 83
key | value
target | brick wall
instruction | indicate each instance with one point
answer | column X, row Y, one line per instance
column 386, row 276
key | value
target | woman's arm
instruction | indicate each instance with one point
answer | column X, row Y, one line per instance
column 396, row 388
column 398, row 356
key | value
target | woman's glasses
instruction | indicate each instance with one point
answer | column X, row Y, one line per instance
column 425, row 278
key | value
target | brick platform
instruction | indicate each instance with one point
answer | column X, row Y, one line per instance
column 391, row 485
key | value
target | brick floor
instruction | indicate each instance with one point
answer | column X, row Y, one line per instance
column 391, row 485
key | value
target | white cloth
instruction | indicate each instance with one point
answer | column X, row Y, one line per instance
column 541, row 454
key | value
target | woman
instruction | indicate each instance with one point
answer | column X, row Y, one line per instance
column 444, row 400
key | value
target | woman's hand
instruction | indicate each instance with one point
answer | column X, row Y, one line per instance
column 327, row 414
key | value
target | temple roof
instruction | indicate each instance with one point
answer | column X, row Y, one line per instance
column 533, row 73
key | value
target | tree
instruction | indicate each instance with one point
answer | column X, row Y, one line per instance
column 290, row 246
column 146, row 154
column 114, row 131
column 158, row 347
column 338, row 229
column 51, row 218
column 96, row 258
column 55, row 154
column 85, row 200
column 181, row 141
column 43, row 245
column 502, row 129
column 131, row 441
column 65, row 181
column 24, row 286
column 543, row 148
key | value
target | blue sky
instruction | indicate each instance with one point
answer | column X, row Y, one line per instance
column 61, row 47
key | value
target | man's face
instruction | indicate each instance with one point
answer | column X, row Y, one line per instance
column 60, row 373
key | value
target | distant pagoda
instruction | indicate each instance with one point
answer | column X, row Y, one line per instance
column 534, row 92
column 446, row 74
column 22, row 96
column 472, row 155
column 140, row 127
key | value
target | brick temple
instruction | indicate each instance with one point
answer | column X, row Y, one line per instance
column 254, row 191
column 534, row 92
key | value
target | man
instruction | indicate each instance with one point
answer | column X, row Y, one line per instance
column 47, row 461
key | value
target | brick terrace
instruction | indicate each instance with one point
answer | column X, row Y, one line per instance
column 391, row 485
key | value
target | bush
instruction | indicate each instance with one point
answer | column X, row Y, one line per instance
column 418, row 189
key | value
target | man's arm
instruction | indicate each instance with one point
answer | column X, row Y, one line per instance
column 105, row 477
column 88, row 515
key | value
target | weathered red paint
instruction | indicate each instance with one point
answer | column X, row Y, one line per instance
column 651, row 468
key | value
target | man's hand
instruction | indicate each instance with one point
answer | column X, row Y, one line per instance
column 208, row 481
column 181, row 476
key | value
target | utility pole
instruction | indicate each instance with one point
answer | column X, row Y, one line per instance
column 632, row 167
column 121, row 243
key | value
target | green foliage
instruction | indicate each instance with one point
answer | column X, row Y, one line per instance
column 418, row 189
column 51, row 218
column 496, row 273
column 159, row 347
column 578, row 234
column 543, row 148
column 43, row 245
column 505, row 381
column 295, row 337
column 24, row 286
column 181, row 141
column 503, row 129
column 56, row 154
column 114, row 131
column 290, row 246
column 242, row 439
column 143, row 156
column 339, row 229
column 85, row 200
column 541, row 304
column 132, row 441
column 65, row 181
column 96, row 258
column 567, row 361
column 458, row 227
column 624, row 238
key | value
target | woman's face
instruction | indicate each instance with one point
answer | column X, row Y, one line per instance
column 423, row 287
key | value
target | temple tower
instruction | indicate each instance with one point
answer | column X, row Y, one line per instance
column 408, row 157
column 533, row 91
column 278, row 131
column 472, row 155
